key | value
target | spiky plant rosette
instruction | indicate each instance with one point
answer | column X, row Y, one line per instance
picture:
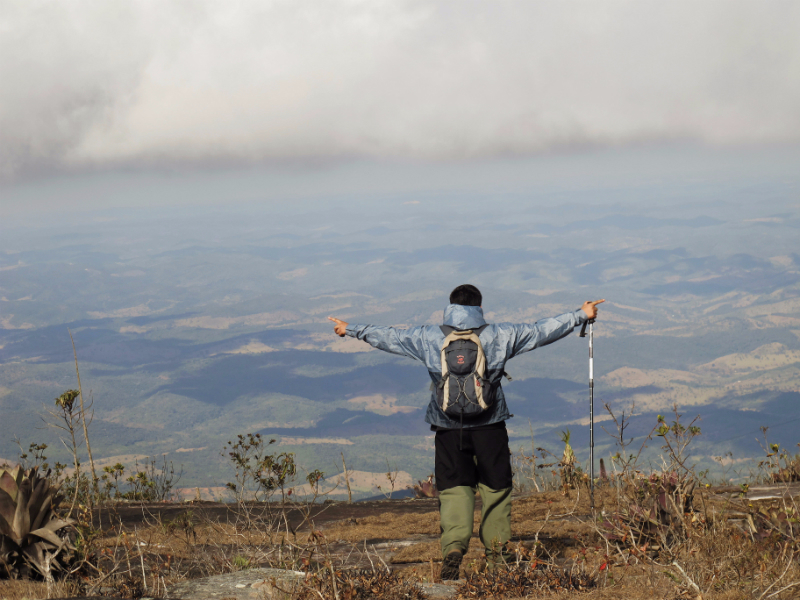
column 32, row 537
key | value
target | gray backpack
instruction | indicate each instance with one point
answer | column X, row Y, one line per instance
column 464, row 390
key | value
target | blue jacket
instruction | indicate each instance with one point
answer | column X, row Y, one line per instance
column 501, row 342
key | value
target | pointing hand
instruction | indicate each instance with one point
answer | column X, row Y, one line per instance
column 340, row 328
column 590, row 308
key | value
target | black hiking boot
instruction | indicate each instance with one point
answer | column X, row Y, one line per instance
column 450, row 565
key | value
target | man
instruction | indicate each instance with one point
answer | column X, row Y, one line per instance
column 471, row 453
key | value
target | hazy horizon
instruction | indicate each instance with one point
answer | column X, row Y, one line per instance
column 669, row 174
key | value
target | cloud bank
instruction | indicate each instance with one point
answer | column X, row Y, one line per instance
column 89, row 85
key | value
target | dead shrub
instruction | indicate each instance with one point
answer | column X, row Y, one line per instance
column 522, row 581
column 668, row 523
column 358, row 585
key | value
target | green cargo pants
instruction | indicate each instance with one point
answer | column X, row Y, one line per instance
column 456, row 508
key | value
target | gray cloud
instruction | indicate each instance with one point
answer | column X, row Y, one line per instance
column 106, row 84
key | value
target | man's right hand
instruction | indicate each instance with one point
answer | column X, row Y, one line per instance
column 340, row 327
column 590, row 308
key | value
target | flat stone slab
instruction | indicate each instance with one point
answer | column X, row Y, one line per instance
column 773, row 491
column 249, row 584
column 269, row 584
column 440, row 591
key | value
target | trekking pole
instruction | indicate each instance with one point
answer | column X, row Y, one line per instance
column 590, row 323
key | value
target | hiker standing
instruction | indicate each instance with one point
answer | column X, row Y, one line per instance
column 466, row 360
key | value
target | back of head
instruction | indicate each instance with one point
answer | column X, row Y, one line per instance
column 466, row 295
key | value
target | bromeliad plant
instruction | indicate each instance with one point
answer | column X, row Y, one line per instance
column 571, row 472
column 32, row 537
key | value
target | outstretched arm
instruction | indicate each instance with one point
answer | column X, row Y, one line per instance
column 527, row 337
column 405, row 342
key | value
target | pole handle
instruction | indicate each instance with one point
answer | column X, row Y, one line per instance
column 583, row 328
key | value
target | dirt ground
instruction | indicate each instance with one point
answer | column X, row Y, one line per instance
column 196, row 539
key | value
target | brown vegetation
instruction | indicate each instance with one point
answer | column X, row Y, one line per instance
column 641, row 534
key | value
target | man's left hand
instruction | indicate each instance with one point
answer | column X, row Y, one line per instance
column 340, row 327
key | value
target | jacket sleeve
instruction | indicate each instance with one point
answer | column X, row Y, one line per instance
column 525, row 338
column 405, row 342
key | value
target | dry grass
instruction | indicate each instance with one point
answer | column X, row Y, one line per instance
column 384, row 527
column 19, row 589
column 172, row 552
column 527, row 515
column 725, row 561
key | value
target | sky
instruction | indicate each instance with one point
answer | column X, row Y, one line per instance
column 105, row 91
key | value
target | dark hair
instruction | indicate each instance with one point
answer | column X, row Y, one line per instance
column 466, row 295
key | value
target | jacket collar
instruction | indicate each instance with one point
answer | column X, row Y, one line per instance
column 463, row 317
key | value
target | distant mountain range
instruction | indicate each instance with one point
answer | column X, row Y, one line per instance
column 190, row 332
